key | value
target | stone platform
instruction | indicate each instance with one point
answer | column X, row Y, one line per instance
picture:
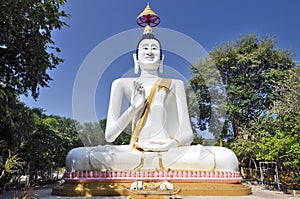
column 118, row 183
column 121, row 189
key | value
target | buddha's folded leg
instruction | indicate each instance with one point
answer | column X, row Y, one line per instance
column 111, row 157
column 107, row 157
column 188, row 158
column 198, row 157
column 226, row 160
column 77, row 159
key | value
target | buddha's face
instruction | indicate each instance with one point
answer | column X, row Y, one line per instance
column 149, row 54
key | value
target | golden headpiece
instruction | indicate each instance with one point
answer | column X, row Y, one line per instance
column 148, row 19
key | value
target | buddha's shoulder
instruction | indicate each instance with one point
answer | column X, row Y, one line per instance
column 177, row 82
column 125, row 80
column 130, row 80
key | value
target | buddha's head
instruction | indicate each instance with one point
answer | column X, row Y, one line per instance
column 148, row 53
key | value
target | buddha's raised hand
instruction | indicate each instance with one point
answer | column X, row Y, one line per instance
column 138, row 96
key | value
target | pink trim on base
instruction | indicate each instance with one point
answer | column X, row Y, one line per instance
column 171, row 176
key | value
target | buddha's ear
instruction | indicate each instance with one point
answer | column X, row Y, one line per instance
column 161, row 65
column 136, row 64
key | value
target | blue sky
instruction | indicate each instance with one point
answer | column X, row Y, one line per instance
column 208, row 22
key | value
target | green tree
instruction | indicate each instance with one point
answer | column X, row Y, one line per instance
column 47, row 145
column 10, row 166
column 199, row 102
column 280, row 137
column 67, row 130
column 16, row 120
column 249, row 68
column 206, row 95
column 262, row 101
column 27, row 52
column 26, row 48
column 91, row 134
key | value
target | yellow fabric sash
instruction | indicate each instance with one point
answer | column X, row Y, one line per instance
column 160, row 84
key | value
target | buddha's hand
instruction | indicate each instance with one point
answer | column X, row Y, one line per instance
column 158, row 145
column 138, row 96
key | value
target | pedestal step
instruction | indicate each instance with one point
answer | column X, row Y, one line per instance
column 122, row 189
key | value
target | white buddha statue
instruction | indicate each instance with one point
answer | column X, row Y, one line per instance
column 162, row 132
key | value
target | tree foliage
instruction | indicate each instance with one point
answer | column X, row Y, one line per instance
column 280, row 137
column 50, row 141
column 47, row 145
column 262, row 102
column 27, row 53
column 206, row 96
column 26, row 47
column 249, row 68
column 92, row 133
column 16, row 120
column 8, row 164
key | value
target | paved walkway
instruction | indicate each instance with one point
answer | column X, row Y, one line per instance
column 257, row 193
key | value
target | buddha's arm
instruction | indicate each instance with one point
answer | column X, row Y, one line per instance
column 116, row 123
column 185, row 135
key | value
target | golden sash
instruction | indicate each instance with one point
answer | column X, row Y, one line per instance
column 160, row 84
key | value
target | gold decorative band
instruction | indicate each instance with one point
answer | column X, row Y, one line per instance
column 141, row 164
column 161, row 166
column 214, row 159
column 178, row 144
